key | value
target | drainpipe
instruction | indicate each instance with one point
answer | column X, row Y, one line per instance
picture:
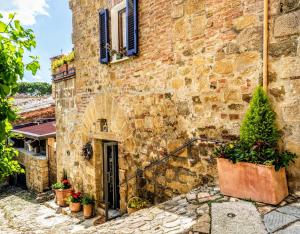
column 265, row 45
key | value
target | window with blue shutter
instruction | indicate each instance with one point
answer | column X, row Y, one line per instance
column 104, row 36
column 132, row 27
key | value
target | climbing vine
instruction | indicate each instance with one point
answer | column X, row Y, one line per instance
column 61, row 60
column 15, row 40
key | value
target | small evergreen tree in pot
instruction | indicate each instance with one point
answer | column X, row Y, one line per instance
column 259, row 137
column 258, row 145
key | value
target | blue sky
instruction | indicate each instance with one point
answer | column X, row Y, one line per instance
column 51, row 22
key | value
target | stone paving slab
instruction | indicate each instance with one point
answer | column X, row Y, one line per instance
column 276, row 220
column 236, row 218
column 188, row 213
column 292, row 209
column 292, row 229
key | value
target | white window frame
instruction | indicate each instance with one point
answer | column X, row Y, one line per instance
column 115, row 29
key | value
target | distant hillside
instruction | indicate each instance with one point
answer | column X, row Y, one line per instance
column 35, row 88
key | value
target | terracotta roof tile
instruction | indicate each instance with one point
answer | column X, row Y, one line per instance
column 38, row 130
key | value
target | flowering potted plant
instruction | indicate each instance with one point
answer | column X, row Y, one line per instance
column 135, row 204
column 254, row 167
column 74, row 201
column 62, row 191
column 88, row 206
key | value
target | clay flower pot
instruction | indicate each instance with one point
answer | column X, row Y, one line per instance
column 251, row 181
column 62, row 195
column 88, row 210
column 75, row 207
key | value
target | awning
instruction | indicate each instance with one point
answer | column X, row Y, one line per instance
column 37, row 131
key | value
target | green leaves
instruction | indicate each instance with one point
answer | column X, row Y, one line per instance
column 259, row 122
column 14, row 41
column 2, row 27
column 35, row 88
column 258, row 137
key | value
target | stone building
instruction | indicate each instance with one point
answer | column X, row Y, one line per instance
column 191, row 69
column 37, row 154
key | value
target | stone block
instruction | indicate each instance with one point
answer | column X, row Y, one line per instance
column 177, row 11
column 236, row 218
column 194, row 6
column 244, row 22
column 275, row 220
column 223, row 67
column 293, row 229
column 287, row 24
column 291, row 112
column 247, row 59
column 292, row 209
column 287, row 67
column 198, row 25
column 250, row 39
column 284, row 48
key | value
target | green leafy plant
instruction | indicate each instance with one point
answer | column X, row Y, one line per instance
column 35, row 88
column 258, row 138
column 57, row 185
column 87, row 200
column 56, row 63
column 259, row 123
column 137, row 203
column 74, row 198
column 64, row 184
column 15, row 40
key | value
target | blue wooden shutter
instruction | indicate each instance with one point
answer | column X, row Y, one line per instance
column 132, row 27
column 104, row 36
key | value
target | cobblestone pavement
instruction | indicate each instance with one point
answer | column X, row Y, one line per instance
column 202, row 210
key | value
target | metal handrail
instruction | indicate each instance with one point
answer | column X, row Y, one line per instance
column 172, row 154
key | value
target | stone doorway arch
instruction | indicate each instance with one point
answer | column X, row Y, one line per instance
column 106, row 107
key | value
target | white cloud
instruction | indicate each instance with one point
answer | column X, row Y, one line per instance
column 27, row 10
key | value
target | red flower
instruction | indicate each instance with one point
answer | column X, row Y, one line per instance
column 65, row 181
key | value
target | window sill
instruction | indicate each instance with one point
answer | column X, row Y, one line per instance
column 119, row 60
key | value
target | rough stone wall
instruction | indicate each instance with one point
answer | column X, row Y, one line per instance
column 284, row 76
column 37, row 173
column 199, row 62
column 51, row 154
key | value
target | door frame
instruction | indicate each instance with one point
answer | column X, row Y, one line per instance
column 115, row 182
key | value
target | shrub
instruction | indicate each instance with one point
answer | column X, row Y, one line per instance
column 35, row 88
column 137, row 203
column 87, row 200
column 258, row 137
column 259, row 122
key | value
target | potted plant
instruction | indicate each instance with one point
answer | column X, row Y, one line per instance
column 254, row 167
column 135, row 204
column 88, row 206
column 74, row 201
column 62, row 191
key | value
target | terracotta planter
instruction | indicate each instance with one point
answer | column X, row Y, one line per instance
column 62, row 195
column 75, row 207
column 63, row 68
column 88, row 211
column 251, row 181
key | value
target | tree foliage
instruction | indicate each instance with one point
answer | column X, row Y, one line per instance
column 35, row 88
column 259, row 123
column 258, row 137
column 15, row 40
